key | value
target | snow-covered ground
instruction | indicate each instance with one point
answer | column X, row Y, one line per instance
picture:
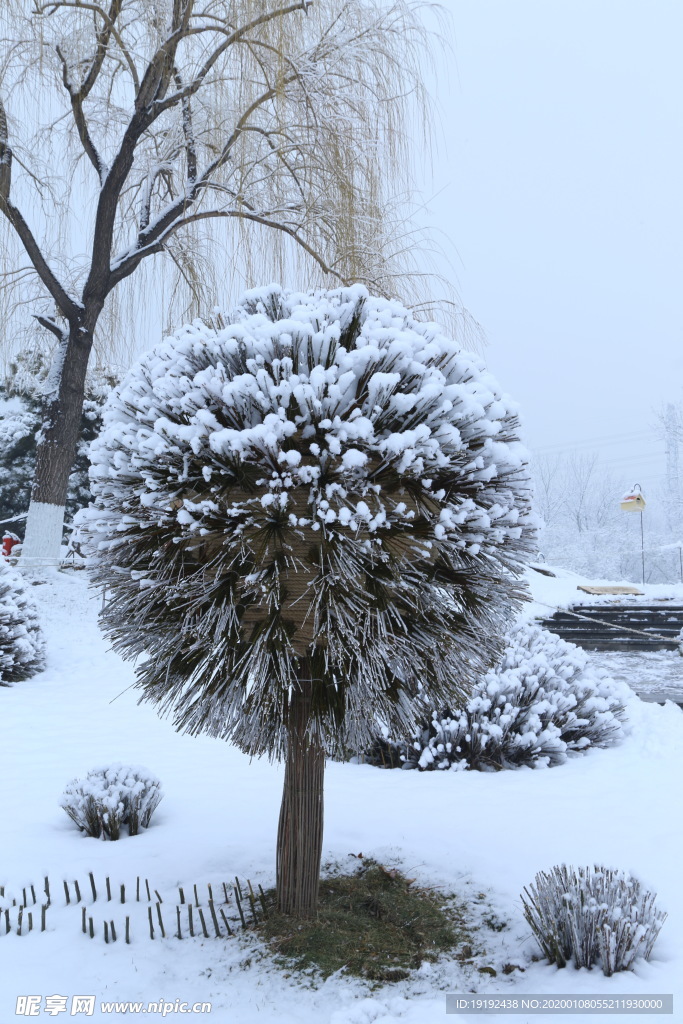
column 655, row 674
column 561, row 590
column 480, row 834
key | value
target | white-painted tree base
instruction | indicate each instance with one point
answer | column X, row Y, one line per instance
column 43, row 541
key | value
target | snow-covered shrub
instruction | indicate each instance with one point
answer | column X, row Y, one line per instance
column 592, row 916
column 320, row 485
column 21, row 417
column 111, row 797
column 22, row 647
column 544, row 699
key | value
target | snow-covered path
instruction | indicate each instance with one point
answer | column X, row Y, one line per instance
column 479, row 833
column 653, row 673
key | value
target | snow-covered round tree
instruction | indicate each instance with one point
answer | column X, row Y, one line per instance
column 302, row 513
column 22, row 647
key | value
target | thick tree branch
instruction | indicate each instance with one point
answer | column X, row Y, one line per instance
column 153, row 88
column 188, row 133
column 80, row 121
column 157, row 232
column 51, row 326
column 67, row 306
column 102, row 46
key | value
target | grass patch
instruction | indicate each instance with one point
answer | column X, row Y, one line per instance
column 375, row 923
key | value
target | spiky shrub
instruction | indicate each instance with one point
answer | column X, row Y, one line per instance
column 22, row 647
column 542, row 701
column 301, row 514
column 109, row 798
column 592, row 916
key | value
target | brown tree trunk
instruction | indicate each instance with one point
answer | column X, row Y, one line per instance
column 56, row 450
column 300, row 829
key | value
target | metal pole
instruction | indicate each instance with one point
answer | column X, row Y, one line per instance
column 642, row 544
column 680, row 561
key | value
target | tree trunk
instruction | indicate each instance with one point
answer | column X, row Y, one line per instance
column 300, row 829
column 56, row 450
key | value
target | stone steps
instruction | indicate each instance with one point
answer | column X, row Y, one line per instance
column 664, row 620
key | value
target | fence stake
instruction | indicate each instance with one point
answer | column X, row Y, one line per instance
column 215, row 919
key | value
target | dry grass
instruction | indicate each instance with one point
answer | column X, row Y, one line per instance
column 374, row 923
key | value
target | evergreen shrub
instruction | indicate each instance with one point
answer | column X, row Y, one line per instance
column 22, row 648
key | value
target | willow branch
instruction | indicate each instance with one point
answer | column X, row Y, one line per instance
column 235, row 36
column 110, row 26
column 131, row 262
column 65, row 304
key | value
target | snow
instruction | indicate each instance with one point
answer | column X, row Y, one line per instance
column 259, row 374
column 44, row 528
column 478, row 833
column 561, row 591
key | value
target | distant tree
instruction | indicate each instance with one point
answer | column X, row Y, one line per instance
column 157, row 120
column 314, row 508
column 21, row 418
column 585, row 530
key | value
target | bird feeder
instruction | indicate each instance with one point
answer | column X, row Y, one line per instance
column 633, row 501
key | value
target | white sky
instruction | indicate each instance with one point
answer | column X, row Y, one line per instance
column 559, row 183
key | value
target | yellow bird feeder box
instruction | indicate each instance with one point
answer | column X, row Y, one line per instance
column 633, row 502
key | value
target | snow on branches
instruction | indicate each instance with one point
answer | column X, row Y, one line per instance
column 319, row 484
column 22, row 648
column 543, row 701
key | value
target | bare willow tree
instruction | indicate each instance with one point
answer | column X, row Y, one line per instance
column 133, row 130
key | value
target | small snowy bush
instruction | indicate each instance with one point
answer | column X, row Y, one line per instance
column 543, row 700
column 111, row 797
column 22, row 648
column 592, row 916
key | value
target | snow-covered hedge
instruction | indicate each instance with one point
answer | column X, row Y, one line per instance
column 22, row 648
column 592, row 916
column 544, row 699
column 111, row 797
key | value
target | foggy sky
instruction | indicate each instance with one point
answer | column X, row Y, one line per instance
column 558, row 184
